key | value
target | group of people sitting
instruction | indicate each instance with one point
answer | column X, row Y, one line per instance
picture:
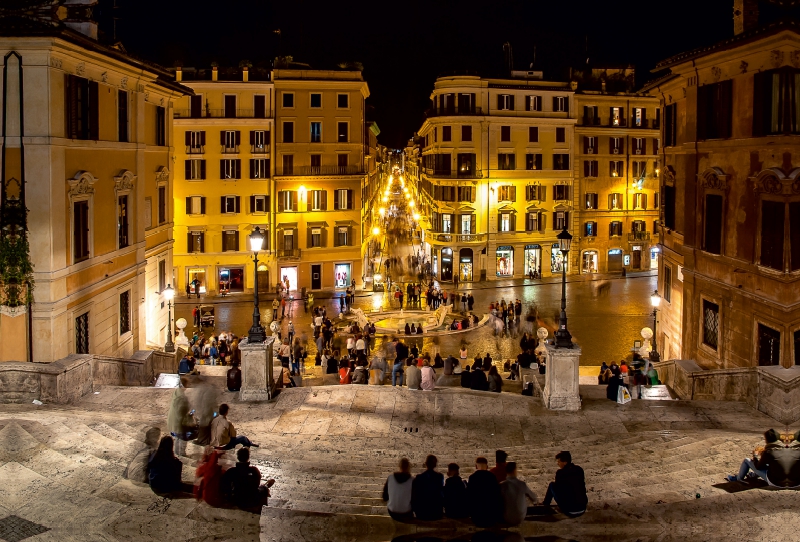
column 615, row 376
column 489, row 496
column 468, row 320
column 777, row 462
column 222, row 349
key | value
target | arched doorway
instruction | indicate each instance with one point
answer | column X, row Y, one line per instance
column 465, row 264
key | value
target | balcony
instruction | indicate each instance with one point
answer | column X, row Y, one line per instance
column 221, row 114
column 450, row 174
column 197, row 149
column 590, row 121
column 460, row 237
column 639, row 236
column 313, row 171
column 453, row 111
column 259, row 149
column 289, row 253
column 229, row 150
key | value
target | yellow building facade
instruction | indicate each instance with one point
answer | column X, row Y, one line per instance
column 98, row 172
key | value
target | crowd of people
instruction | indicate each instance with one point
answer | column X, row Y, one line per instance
column 625, row 376
column 777, row 462
column 488, row 496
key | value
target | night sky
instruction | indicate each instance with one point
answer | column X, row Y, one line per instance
column 404, row 46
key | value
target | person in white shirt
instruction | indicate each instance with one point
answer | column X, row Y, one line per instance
column 514, row 492
column 351, row 344
column 360, row 345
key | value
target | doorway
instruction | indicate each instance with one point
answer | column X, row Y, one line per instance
column 289, row 278
column 769, row 346
column 316, row 277
column 447, row 264
column 341, row 273
column 263, row 278
column 589, row 262
column 615, row 260
column 465, row 264
column 636, row 260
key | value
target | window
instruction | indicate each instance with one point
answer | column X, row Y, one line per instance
column 288, row 131
column 561, row 161
column 637, row 145
column 776, row 102
column 162, row 275
column 533, row 103
column 314, row 237
column 288, row 99
column 591, row 201
column 259, row 204
column 316, row 100
column 341, row 161
column 259, row 168
column 715, row 110
column 506, row 222
column 229, row 101
column 506, row 161
column 590, row 115
column 125, row 312
column 230, row 168
column 195, row 141
column 640, row 201
column 670, row 125
column 533, row 134
column 317, row 200
column 230, row 140
column 712, row 240
column 196, row 106
column 466, row 164
column 316, row 132
column 534, row 222
column 616, row 168
column 259, row 141
column 288, row 164
column 288, row 240
column 343, row 236
column 82, row 108
column 560, row 192
column 82, row 334
column 617, row 116
column 162, row 204
column 560, row 220
column 161, row 126
column 467, row 224
column 638, row 226
column 710, row 324
column 229, row 204
column 287, row 201
column 638, row 116
column 230, row 241
column 316, row 163
column 122, row 116
column 535, row 192
column 589, row 144
column 769, row 346
column 561, row 135
column 667, row 283
column 505, row 133
column 80, row 231
column 655, row 201
column 466, row 133
column 505, row 102
column 342, row 131
column 447, row 133
column 590, row 229
column 776, row 230
column 615, row 229
column 507, row 193
column 615, row 201
column 343, row 199
column 343, row 101
column 466, row 193
column 260, row 106
column 669, row 207
column 196, row 242
column 122, row 222
column 195, row 205
column 616, row 145
column 561, row 104
column 590, row 168
column 639, row 169
column 533, row 161
column 447, row 223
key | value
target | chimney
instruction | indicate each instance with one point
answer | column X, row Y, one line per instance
column 214, row 73
column 179, row 74
column 745, row 15
column 245, row 74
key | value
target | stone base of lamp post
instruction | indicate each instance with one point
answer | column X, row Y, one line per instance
column 258, row 382
column 561, row 386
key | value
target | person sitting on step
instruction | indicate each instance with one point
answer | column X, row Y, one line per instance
column 569, row 488
column 397, row 492
column 761, row 460
column 242, row 485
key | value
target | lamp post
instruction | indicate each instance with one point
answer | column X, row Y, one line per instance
column 169, row 293
column 655, row 301
column 563, row 337
column 257, row 334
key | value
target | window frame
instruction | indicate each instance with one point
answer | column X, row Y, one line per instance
column 318, row 135
column 338, row 100
column 339, row 124
column 124, row 320
column 284, row 95
column 311, row 100
column 714, row 349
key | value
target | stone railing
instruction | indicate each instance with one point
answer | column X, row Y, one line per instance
column 775, row 391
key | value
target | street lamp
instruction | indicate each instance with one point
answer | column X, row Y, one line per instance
column 563, row 337
column 655, row 301
column 256, row 333
column 169, row 293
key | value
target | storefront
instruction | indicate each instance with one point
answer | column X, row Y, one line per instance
column 557, row 262
column 533, row 260
column 615, row 260
column 289, row 278
column 341, row 275
column 447, row 264
column 231, row 279
column 654, row 257
column 196, row 279
column 589, row 262
column 435, row 263
column 465, row 265
column 505, row 261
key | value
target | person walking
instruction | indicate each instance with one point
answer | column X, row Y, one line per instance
column 223, row 433
column 470, row 302
column 275, row 306
column 341, row 304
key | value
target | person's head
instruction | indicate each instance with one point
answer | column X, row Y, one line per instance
column 481, row 464
column 223, row 409
column 478, row 361
column 770, row 436
column 493, row 370
column 165, row 447
column 243, row 455
column 405, row 465
column 452, row 470
column 500, row 456
column 511, row 469
column 430, row 462
column 563, row 459
column 410, row 362
column 152, row 436
column 466, row 368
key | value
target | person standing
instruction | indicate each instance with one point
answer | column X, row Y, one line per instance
column 196, row 316
column 569, row 488
column 283, row 307
column 514, row 491
column 290, row 331
column 397, row 492
column 275, row 306
column 427, row 497
column 341, row 304
column 483, row 495
column 470, row 302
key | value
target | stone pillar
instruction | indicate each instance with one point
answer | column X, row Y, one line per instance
column 257, row 379
column 14, row 323
column 561, row 390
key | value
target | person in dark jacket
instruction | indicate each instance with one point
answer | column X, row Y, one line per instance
column 483, row 495
column 164, row 469
column 759, row 464
column 487, row 361
column 455, row 494
column 569, row 489
column 427, row 497
column 242, row 486
column 234, row 378
column 614, row 382
column 466, row 377
column 478, row 381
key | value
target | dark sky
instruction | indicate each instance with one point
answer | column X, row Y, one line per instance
column 405, row 45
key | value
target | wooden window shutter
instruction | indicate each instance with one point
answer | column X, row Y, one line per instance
column 202, row 169
column 238, row 168
column 203, row 205
column 281, row 201
column 566, row 104
column 236, row 240
column 499, row 221
column 202, row 242
column 542, row 222
column 203, row 137
column 308, row 237
column 252, row 204
column 294, row 200
column 324, row 200
column 323, row 237
column 336, row 200
column 94, row 111
column 349, row 199
column 222, row 169
column 527, row 103
column 511, row 102
column 189, row 242
column 513, row 193
column 72, row 106
column 252, row 168
column 238, row 137
column 222, row 137
column 350, row 240
column 499, row 101
column 555, row 103
column 513, row 221
column 586, row 170
column 187, row 169
column 252, row 137
column 238, row 204
column 222, row 204
column 187, row 138
column 188, row 205
column 473, row 223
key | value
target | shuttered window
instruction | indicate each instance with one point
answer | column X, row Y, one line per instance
column 194, row 170
column 230, row 204
column 230, row 241
column 712, row 240
column 287, row 201
column 82, row 108
column 122, row 116
column 343, row 199
column 259, row 204
column 80, row 231
column 715, row 110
